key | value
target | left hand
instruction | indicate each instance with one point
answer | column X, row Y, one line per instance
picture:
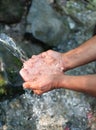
column 43, row 84
column 41, row 72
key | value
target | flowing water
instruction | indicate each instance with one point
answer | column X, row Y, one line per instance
column 59, row 109
column 10, row 45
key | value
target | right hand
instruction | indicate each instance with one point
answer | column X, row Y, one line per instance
column 41, row 72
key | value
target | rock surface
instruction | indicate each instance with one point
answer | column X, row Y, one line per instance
column 11, row 12
column 59, row 109
column 46, row 24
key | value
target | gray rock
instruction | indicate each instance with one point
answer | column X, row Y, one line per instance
column 46, row 24
column 56, row 110
column 11, row 12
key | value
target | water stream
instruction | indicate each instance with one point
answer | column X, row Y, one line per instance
column 15, row 50
column 57, row 109
column 11, row 46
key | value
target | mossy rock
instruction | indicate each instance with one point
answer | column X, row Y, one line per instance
column 3, row 83
column 10, row 80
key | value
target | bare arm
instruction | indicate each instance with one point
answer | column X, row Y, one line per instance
column 44, row 72
column 81, row 55
column 85, row 84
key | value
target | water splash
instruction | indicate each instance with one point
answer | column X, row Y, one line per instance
column 10, row 45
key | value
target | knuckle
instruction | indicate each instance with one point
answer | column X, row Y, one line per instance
column 33, row 56
column 43, row 54
column 49, row 51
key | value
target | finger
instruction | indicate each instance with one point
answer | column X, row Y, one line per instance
column 44, row 54
column 23, row 72
column 29, row 85
column 34, row 56
column 38, row 92
column 28, row 63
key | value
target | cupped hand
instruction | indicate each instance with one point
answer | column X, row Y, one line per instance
column 42, row 72
column 43, row 84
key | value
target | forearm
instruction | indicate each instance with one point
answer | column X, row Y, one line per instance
column 81, row 55
column 86, row 84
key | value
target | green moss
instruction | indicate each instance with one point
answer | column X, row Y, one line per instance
column 2, row 91
column 77, row 6
column 2, row 81
column 2, row 85
column 17, row 62
column 91, row 5
column 12, row 75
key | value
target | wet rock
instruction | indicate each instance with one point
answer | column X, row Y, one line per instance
column 10, row 80
column 11, row 12
column 80, row 12
column 81, row 21
column 46, row 24
column 3, row 77
column 2, row 117
column 50, row 1
column 57, row 109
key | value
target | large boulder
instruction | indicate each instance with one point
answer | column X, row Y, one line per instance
column 11, row 11
column 46, row 24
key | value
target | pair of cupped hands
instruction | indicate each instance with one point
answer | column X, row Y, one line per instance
column 41, row 73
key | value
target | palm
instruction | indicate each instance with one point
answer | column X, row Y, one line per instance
column 41, row 69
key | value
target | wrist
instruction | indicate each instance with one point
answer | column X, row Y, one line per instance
column 72, row 59
column 58, row 81
column 65, row 62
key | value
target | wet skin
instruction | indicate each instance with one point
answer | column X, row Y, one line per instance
column 45, row 71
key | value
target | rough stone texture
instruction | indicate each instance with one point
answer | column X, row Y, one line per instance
column 59, row 109
column 11, row 12
column 45, row 24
